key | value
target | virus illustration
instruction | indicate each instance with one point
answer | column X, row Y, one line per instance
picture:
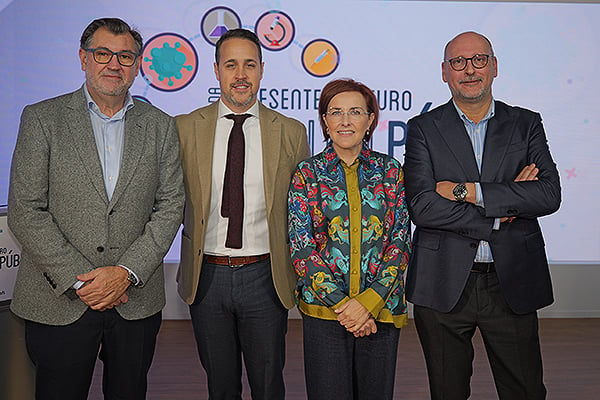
column 168, row 62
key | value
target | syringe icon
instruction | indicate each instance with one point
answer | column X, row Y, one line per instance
column 320, row 57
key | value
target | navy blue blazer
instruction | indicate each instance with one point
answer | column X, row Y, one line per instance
column 448, row 232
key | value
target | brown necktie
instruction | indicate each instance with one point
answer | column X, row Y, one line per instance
column 233, row 187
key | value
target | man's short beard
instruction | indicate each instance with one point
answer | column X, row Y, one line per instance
column 236, row 103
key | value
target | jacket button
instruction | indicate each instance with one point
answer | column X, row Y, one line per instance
column 111, row 212
column 473, row 245
column 100, row 249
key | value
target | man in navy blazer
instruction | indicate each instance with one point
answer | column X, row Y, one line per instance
column 478, row 175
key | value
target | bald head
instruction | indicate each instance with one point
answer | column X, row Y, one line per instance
column 467, row 36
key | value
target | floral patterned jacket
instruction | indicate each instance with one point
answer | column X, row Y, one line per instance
column 349, row 234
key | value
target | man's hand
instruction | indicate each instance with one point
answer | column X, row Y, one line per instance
column 122, row 300
column 352, row 315
column 104, row 287
column 445, row 188
column 528, row 173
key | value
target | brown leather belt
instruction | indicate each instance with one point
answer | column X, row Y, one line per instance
column 234, row 261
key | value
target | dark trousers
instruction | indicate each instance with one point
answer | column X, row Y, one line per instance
column 65, row 356
column 237, row 311
column 339, row 366
column 511, row 342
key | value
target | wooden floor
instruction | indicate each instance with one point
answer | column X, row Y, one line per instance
column 570, row 347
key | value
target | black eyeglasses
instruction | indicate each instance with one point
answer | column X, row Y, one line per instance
column 102, row 55
column 478, row 61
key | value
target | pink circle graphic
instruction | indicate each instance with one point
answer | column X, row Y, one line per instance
column 169, row 62
column 275, row 30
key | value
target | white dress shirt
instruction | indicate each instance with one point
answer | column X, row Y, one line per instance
column 255, row 234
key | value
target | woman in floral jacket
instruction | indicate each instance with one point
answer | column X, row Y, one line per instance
column 350, row 241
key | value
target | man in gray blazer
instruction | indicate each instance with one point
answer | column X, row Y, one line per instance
column 478, row 174
column 239, row 293
column 96, row 197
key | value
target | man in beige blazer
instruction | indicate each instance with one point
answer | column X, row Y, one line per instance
column 239, row 294
column 96, row 197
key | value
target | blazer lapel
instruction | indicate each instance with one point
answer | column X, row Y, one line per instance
column 204, row 142
column 84, row 141
column 271, row 134
column 453, row 132
column 133, row 148
column 497, row 139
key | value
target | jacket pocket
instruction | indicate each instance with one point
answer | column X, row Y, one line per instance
column 535, row 242
column 428, row 240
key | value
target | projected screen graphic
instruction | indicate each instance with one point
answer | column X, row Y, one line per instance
column 548, row 58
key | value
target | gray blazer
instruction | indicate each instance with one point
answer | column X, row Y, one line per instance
column 60, row 213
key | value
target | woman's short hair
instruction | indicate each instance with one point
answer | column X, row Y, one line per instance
column 338, row 86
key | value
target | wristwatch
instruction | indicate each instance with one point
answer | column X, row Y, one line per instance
column 460, row 192
column 131, row 278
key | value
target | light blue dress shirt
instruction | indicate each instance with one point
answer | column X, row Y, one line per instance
column 109, row 133
column 477, row 132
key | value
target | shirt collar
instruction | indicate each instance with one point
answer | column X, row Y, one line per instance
column 93, row 107
column 332, row 159
column 224, row 110
column 490, row 113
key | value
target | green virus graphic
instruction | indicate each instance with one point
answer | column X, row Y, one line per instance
column 168, row 62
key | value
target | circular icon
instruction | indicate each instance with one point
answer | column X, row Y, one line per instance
column 275, row 30
column 320, row 58
column 141, row 98
column 169, row 62
column 217, row 21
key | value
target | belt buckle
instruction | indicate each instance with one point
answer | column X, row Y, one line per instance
column 231, row 265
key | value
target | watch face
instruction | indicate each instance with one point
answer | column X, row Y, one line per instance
column 460, row 192
column 131, row 278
